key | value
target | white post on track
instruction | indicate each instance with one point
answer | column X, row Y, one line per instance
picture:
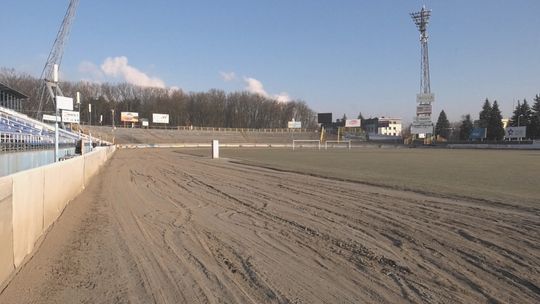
column 215, row 149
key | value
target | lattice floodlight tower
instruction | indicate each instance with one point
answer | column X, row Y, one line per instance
column 48, row 88
column 422, row 123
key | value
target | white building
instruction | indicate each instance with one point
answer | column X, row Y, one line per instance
column 389, row 126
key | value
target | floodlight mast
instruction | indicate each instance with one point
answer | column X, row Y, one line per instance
column 46, row 93
column 421, row 19
column 423, row 124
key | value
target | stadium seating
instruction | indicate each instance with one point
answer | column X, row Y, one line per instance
column 179, row 136
column 20, row 132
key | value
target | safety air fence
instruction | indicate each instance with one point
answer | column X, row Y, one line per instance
column 32, row 200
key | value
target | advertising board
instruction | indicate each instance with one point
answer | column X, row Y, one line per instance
column 47, row 117
column 515, row 132
column 353, row 123
column 425, row 98
column 294, row 124
column 129, row 116
column 70, row 116
column 478, row 133
column 160, row 118
column 324, row 118
column 423, row 120
column 64, row 103
column 422, row 129
column 423, row 109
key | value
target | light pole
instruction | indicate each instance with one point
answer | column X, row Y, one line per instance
column 79, row 105
column 112, row 114
column 79, row 108
column 90, row 114
column 55, row 80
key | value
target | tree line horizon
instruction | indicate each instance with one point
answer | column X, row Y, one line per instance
column 216, row 108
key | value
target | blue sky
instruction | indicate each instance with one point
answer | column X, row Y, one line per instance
column 339, row 56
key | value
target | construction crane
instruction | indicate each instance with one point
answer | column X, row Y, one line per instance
column 46, row 93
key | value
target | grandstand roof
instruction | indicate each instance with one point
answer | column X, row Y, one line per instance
column 17, row 94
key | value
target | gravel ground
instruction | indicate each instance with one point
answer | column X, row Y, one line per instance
column 158, row 226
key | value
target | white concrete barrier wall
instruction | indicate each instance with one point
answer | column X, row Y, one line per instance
column 30, row 202
column 6, row 229
column 27, row 205
column 68, row 176
column 92, row 163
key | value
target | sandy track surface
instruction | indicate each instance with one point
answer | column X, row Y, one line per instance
column 158, row 226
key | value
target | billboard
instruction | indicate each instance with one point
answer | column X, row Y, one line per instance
column 70, row 116
column 422, row 129
column 425, row 98
column 422, row 120
column 47, row 117
column 129, row 116
column 324, row 118
column 423, row 109
column 294, row 124
column 160, row 118
column 64, row 103
column 353, row 123
column 478, row 133
column 515, row 132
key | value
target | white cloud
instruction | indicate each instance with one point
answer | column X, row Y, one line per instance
column 89, row 68
column 256, row 87
column 228, row 76
column 282, row 97
column 118, row 67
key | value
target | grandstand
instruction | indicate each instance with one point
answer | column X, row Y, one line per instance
column 19, row 132
column 11, row 98
column 194, row 135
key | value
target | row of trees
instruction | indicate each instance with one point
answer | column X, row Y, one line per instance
column 526, row 116
column 214, row 108
column 490, row 118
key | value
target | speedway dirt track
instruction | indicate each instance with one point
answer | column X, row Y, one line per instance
column 160, row 226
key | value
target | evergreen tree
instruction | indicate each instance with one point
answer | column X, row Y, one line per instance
column 522, row 115
column 495, row 130
column 442, row 128
column 535, row 118
column 484, row 115
column 360, row 116
column 466, row 127
column 515, row 120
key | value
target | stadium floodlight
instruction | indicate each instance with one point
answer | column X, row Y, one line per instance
column 422, row 123
column 421, row 19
